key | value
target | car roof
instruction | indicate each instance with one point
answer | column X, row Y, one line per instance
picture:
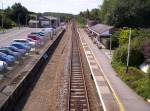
column 19, row 39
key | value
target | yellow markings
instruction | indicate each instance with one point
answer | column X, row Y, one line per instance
column 113, row 91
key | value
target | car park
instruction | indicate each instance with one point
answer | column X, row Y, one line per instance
column 7, row 51
column 3, row 65
column 10, row 60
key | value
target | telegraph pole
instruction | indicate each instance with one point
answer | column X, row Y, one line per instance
column 19, row 21
column 26, row 20
column 2, row 18
column 36, row 21
column 128, row 57
column 110, row 44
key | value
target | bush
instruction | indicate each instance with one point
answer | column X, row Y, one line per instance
column 135, row 78
column 106, row 43
column 123, row 36
column 8, row 23
column 120, row 56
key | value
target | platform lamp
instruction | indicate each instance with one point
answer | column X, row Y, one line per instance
column 19, row 20
column 2, row 18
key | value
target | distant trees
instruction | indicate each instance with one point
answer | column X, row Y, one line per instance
column 17, row 11
column 93, row 14
column 14, row 14
column 121, row 13
column 126, row 13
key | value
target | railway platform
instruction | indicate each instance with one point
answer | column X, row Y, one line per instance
column 113, row 92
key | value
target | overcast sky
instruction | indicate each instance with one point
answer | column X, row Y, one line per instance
column 65, row 6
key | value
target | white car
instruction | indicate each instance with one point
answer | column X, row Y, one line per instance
column 3, row 65
column 50, row 31
column 31, row 43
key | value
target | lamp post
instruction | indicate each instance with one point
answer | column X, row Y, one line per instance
column 26, row 20
column 36, row 21
column 2, row 18
column 19, row 20
column 128, row 56
column 110, row 45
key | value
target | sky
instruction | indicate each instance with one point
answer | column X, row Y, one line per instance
column 64, row 6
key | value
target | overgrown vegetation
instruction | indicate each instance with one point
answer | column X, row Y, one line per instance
column 135, row 78
column 138, row 54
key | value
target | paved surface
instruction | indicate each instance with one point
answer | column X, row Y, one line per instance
column 104, row 91
column 126, row 96
column 8, row 36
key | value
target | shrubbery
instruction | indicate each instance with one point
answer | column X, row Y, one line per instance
column 8, row 23
column 135, row 78
column 106, row 43
column 120, row 56
column 138, row 38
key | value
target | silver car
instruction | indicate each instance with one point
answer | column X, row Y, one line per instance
column 3, row 65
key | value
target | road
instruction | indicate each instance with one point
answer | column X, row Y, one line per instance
column 6, row 38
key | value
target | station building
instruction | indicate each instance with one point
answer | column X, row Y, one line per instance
column 44, row 22
column 101, row 33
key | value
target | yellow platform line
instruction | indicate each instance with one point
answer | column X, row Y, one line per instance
column 113, row 91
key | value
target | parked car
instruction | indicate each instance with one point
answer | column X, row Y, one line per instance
column 40, row 34
column 3, row 65
column 7, row 51
column 10, row 60
column 26, row 41
column 35, row 42
column 49, row 31
column 37, row 38
column 15, row 49
column 21, row 46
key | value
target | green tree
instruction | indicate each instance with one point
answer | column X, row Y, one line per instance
column 17, row 11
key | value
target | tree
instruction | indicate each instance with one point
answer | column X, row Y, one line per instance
column 146, row 51
column 17, row 11
column 94, row 14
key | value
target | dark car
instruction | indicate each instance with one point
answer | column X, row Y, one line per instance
column 15, row 49
column 7, row 51
column 10, row 60
column 21, row 46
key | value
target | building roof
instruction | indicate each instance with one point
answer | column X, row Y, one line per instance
column 91, row 23
column 100, row 28
column 34, row 21
column 51, row 18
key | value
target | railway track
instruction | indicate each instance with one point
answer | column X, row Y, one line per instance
column 78, row 98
